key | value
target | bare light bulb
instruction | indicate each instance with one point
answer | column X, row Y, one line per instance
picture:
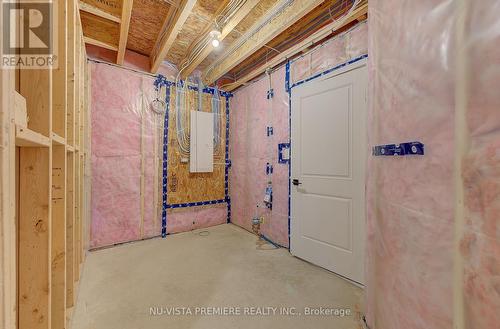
column 215, row 43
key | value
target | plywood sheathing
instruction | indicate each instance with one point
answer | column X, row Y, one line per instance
column 259, row 11
column 100, row 29
column 195, row 187
column 202, row 16
column 146, row 22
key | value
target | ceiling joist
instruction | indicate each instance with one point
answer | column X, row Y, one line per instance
column 98, row 12
column 124, row 27
column 359, row 14
column 228, row 28
column 92, row 41
column 285, row 18
column 166, row 40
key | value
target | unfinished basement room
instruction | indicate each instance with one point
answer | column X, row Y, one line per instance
column 242, row 164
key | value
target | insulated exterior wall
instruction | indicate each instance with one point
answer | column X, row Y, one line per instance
column 480, row 245
column 122, row 137
column 127, row 157
column 432, row 64
column 410, row 199
column 341, row 48
column 250, row 147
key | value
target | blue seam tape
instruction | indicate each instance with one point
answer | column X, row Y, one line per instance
column 162, row 81
column 228, row 164
column 298, row 83
column 194, row 204
column 289, row 91
column 158, row 83
column 165, row 164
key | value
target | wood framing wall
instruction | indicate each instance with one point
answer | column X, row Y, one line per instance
column 45, row 183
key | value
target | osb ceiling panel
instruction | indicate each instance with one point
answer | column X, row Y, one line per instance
column 114, row 7
column 257, row 12
column 100, row 29
column 145, row 24
column 201, row 18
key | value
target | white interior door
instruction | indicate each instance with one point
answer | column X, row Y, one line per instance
column 328, row 161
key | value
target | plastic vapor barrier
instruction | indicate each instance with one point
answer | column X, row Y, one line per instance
column 431, row 263
column 126, row 157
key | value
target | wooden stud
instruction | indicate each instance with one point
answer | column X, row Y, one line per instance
column 70, row 235
column 82, row 212
column 71, row 58
column 124, row 27
column 8, row 245
column 59, row 90
column 34, row 238
column 235, row 20
column 285, row 18
column 58, row 238
column 98, row 12
column 165, row 41
column 76, row 242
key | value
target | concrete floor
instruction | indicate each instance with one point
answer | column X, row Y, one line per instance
column 201, row 273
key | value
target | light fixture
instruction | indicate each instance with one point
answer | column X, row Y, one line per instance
column 215, row 35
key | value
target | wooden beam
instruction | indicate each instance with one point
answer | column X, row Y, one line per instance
column 101, row 44
column 235, row 20
column 34, row 268
column 98, row 12
column 360, row 14
column 173, row 3
column 165, row 41
column 124, row 27
column 58, row 237
column 287, row 15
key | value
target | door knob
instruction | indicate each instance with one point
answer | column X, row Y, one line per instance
column 296, row 182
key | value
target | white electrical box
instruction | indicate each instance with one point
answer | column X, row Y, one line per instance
column 201, row 142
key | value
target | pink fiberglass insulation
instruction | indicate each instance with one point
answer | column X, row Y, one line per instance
column 127, row 142
column 339, row 49
column 116, row 156
column 480, row 246
column 123, row 128
column 437, row 61
column 410, row 199
column 251, row 149
column 183, row 220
